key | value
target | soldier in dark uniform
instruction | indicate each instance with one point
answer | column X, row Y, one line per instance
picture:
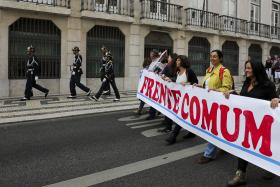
column 76, row 72
column 109, row 78
column 103, row 62
column 32, row 73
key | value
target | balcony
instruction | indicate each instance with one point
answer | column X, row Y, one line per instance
column 258, row 29
column 61, row 7
column 201, row 18
column 162, row 11
column 60, row 3
column 232, row 24
column 119, row 7
column 275, row 32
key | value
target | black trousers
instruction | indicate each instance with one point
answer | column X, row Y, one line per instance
column 104, row 86
column 107, row 86
column 141, row 105
column 75, row 80
column 242, row 165
column 168, row 122
column 31, row 83
column 152, row 112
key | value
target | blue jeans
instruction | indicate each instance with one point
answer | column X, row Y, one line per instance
column 210, row 151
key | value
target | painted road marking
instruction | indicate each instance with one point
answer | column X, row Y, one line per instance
column 125, row 170
column 144, row 122
column 146, row 125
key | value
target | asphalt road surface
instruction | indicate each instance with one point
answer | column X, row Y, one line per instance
column 108, row 150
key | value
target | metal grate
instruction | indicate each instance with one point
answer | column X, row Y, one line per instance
column 158, row 40
column 255, row 52
column 114, row 40
column 199, row 55
column 274, row 51
column 41, row 34
column 231, row 56
column 61, row 3
column 121, row 7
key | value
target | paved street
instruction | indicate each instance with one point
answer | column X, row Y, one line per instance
column 107, row 149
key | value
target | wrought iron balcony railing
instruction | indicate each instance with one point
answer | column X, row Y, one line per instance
column 159, row 10
column 233, row 24
column 202, row 18
column 60, row 3
column 258, row 29
column 275, row 32
column 121, row 7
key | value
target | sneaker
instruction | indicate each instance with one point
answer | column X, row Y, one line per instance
column 239, row 179
column 204, row 160
column 106, row 92
column 23, row 99
column 71, row 97
column 88, row 93
column 116, row 100
column 46, row 94
column 94, row 98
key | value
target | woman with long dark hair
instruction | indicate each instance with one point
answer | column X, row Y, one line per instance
column 169, row 71
column 257, row 85
column 184, row 75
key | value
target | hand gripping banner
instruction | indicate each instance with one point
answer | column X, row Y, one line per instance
column 245, row 127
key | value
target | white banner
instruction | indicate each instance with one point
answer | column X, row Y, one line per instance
column 245, row 127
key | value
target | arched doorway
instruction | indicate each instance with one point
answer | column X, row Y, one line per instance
column 274, row 51
column 45, row 36
column 199, row 49
column 255, row 52
column 231, row 56
column 114, row 40
column 158, row 40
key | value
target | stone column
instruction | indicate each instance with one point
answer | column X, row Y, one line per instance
column 243, row 56
column 135, row 59
column 73, row 36
column 4, row 39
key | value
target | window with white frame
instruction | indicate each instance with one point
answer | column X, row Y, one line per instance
column 229, row 8
column 255, row 11
column 275, row 16
column 198, row 4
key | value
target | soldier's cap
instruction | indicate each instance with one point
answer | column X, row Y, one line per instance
column 76, row 48
column 104, row 48
column 30, row 48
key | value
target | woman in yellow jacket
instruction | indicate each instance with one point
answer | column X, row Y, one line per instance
column 217, row 78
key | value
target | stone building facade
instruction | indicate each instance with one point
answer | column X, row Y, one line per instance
column 130, row 28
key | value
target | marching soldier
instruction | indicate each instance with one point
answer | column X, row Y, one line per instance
column 103, row 62
column 109, row 78
column 76, row 73
column 32, row 73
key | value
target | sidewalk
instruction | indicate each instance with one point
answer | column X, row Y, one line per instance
column 14, row 110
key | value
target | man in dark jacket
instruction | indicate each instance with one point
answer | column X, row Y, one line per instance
column 103, row 62
column 32, row 73
column 76, row 73
column 109, row 78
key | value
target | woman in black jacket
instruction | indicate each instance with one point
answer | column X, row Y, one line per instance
column 257, row 85
column 185, row 75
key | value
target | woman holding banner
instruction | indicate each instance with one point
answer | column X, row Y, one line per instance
column 185, row 75
column 217, row 78
column 170, row 71
column 257, row 85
